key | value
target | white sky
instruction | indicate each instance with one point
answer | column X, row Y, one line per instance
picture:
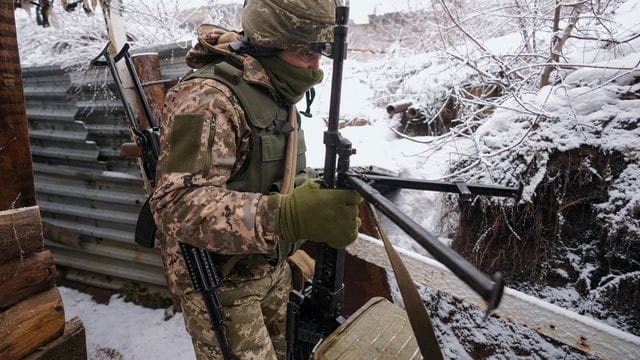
column 360, row 9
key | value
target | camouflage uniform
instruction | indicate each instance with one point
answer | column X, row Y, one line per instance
column 198, row 208
column 194, row 201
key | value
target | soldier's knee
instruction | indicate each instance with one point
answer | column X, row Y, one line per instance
column 196, row 319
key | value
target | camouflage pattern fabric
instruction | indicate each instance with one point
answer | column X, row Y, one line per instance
column 197, row 208
column 198, row 325
column 289, row 24
column 213, row 45
column 249, row 306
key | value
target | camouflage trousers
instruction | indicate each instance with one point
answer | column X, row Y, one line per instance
column 255, row 313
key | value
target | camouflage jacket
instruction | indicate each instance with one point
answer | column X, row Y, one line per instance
column 198, row 208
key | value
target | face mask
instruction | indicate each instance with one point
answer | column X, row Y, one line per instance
column 290, row 82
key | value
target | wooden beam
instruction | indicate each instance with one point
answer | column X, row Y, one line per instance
column 31, row 324
column 72, row 345
column 16, row 169
column 147, row 67
column 20, row 233
column 20, row 279
column 577, row 331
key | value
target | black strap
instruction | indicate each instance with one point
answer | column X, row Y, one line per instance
column 244, row 46
column 309, row 96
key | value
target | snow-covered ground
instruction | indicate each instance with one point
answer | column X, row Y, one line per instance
column 573, row 111
column 120, row 330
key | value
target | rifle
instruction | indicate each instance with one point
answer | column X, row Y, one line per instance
column 199, row 262
column 317, row 311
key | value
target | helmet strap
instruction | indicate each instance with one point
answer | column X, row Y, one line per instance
column 244, row 46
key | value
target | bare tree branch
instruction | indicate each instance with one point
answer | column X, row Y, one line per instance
column 559, row 39
column 475, row 41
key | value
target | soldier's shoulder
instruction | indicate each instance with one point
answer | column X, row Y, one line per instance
column 197, row 85
column 200, row 94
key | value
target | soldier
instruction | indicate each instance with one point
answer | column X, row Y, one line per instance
column 223, row 142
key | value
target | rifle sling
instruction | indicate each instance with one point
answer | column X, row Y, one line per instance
column 292, row 153
column 416, row 311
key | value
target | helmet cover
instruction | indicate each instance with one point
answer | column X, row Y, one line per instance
column 289, row 24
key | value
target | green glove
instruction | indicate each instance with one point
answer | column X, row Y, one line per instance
column 327, row 216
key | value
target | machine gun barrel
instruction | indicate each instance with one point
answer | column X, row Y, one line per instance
column 317, row 311
column 336, row 174
column 332, row 137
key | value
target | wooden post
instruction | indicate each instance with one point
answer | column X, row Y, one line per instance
column 17, row 189
column 148, row 69
column 28, row 322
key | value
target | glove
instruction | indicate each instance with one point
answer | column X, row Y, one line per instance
column 327, row 216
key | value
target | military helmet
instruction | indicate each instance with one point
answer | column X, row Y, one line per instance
column 289, row 24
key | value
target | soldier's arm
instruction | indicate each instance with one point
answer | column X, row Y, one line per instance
column 204, row 141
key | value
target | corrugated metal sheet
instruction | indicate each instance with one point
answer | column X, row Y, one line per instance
column 89, row 196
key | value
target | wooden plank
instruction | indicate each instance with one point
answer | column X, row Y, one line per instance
column 577, row 331
column 368, row 225
column 72, row 345
column 20, row 233
column 16, row 169
column 31, row 324
column 147, row 67
column 20, row 279
column 59, row 234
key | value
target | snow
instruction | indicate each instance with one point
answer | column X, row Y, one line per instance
column 132, row 331
column 583, row 108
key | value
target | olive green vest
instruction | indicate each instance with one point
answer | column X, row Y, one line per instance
column 263, row 169
column 264, row 166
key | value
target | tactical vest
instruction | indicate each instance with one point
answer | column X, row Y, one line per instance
column 263, row 169
column 264, row 166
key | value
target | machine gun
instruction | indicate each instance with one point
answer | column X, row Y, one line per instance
column 317, row 311
column 200, row 264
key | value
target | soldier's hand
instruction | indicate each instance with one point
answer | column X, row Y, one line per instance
column 312, row 213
